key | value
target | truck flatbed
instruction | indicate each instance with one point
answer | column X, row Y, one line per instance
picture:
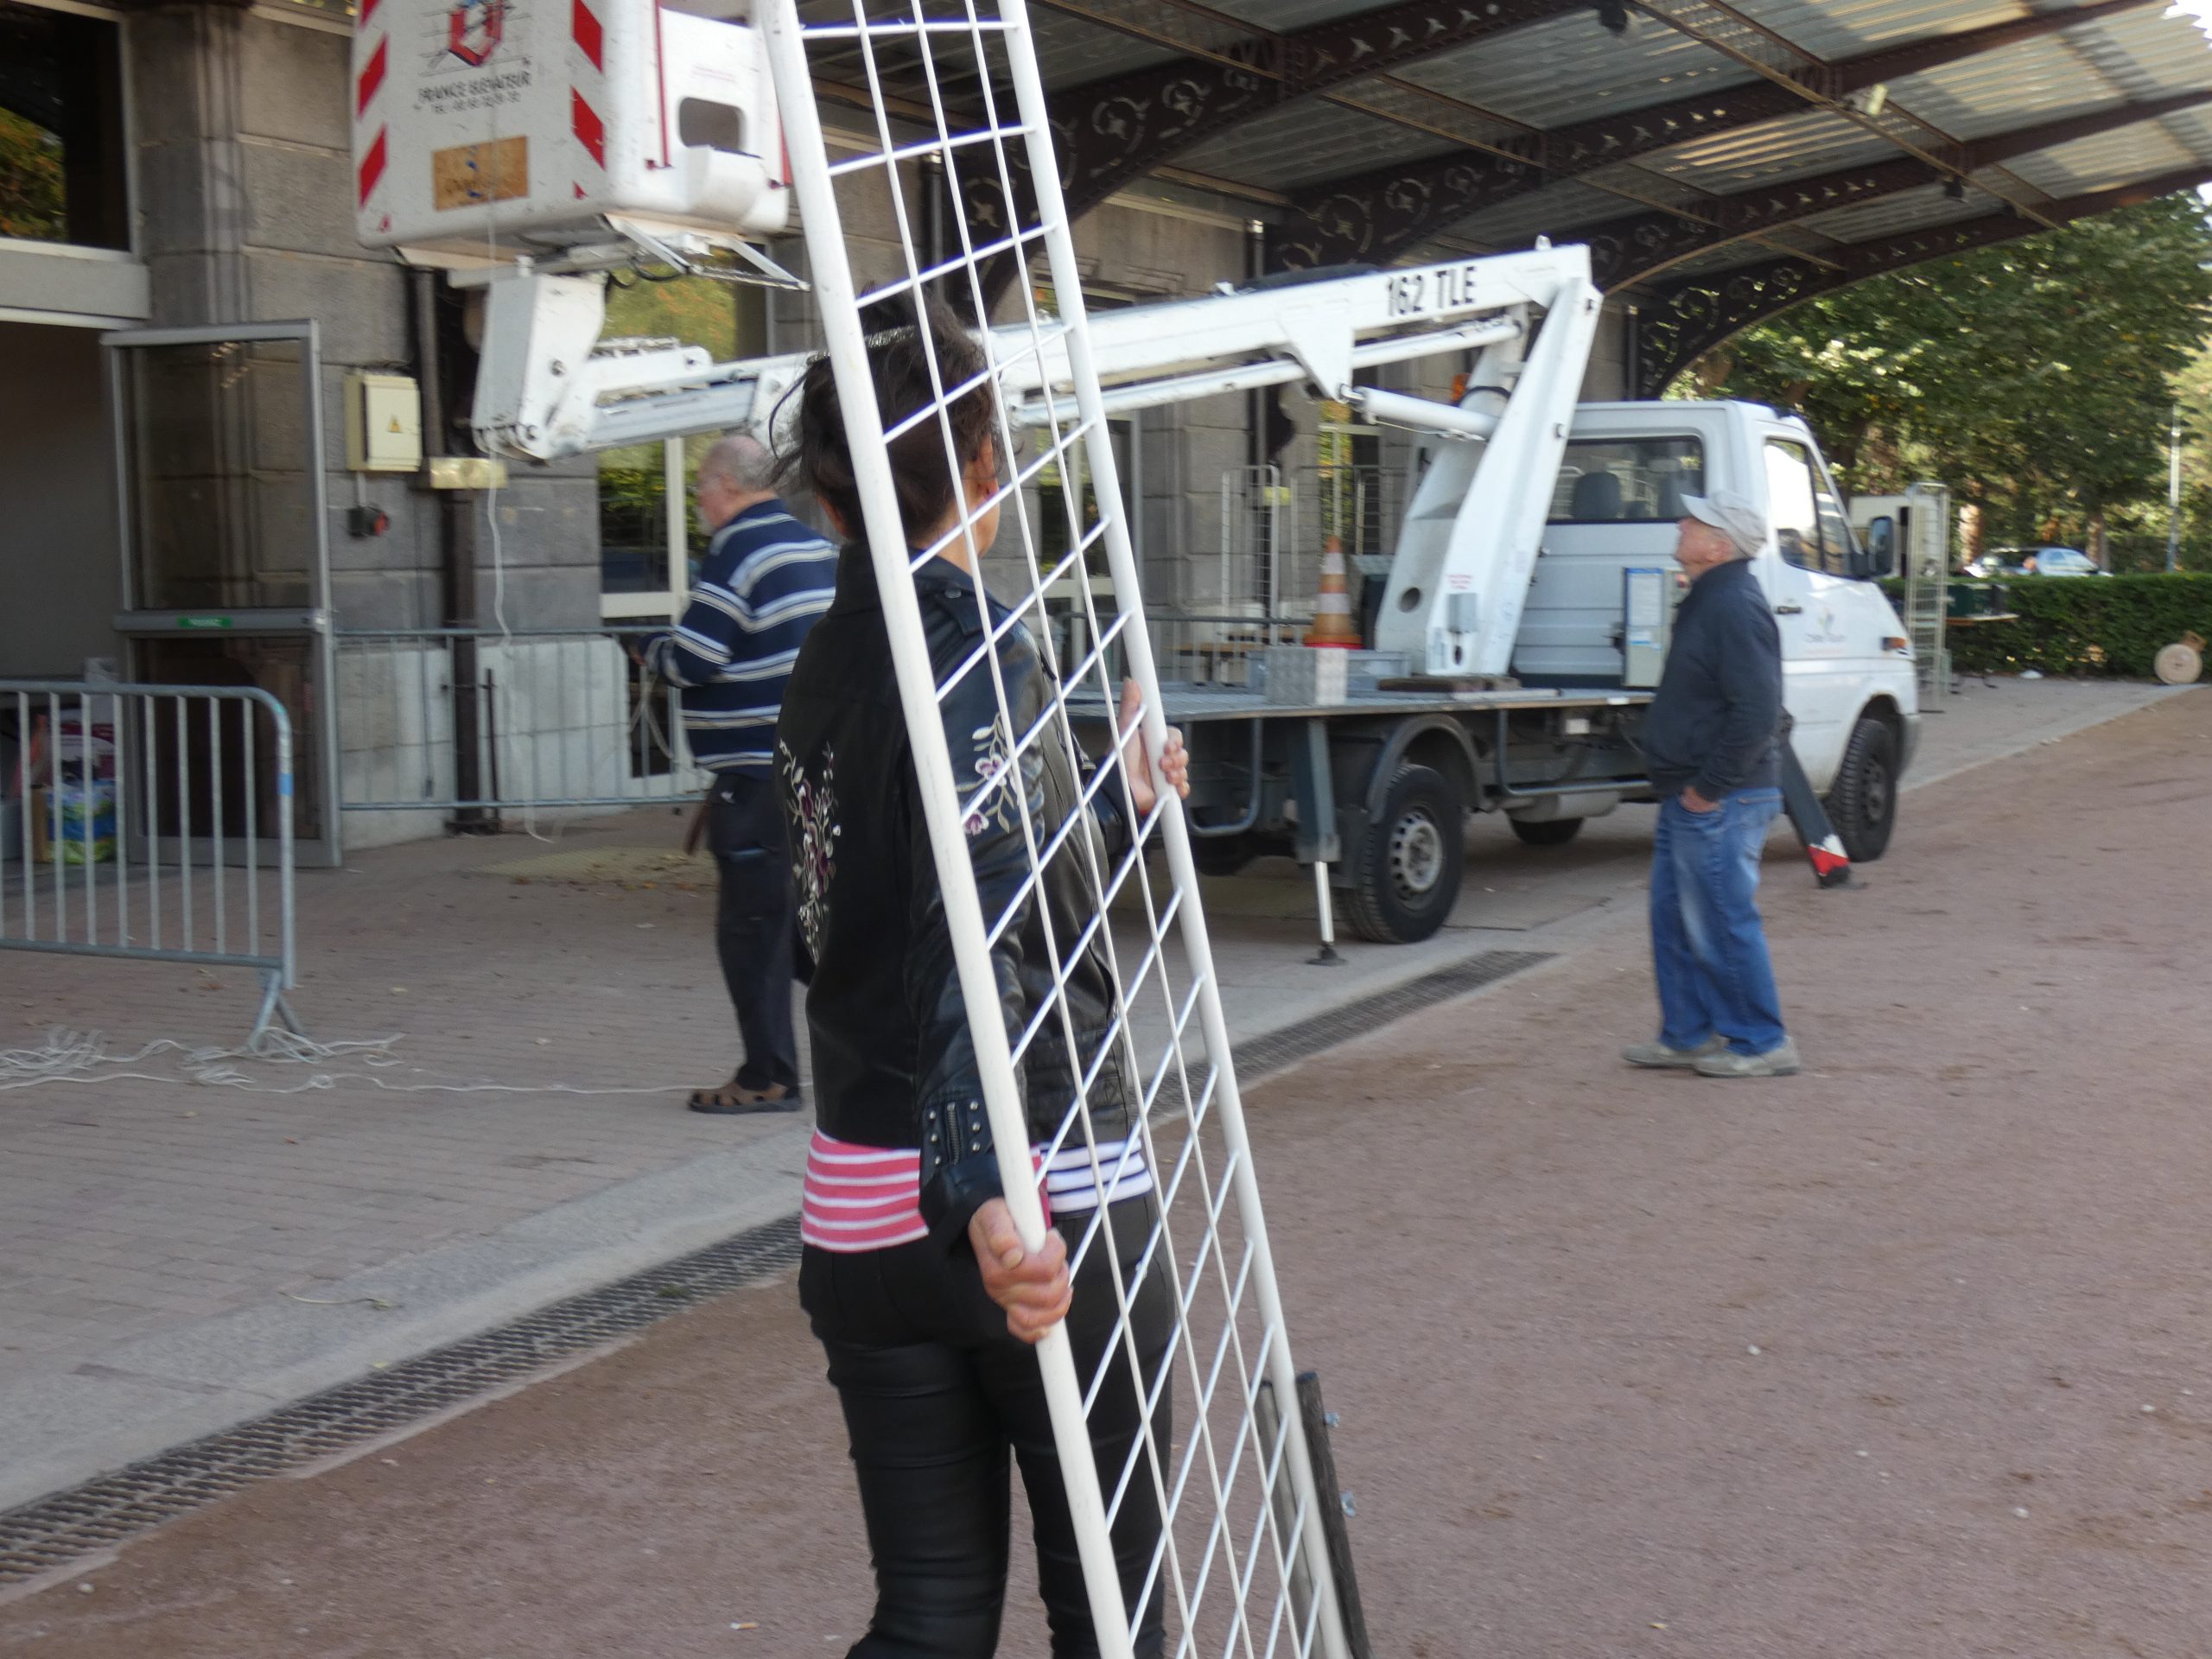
column 1184, row 704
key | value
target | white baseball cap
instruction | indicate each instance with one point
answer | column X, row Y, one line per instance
column 1734, row 516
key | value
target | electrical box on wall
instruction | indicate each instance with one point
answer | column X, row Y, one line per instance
column 383, row 423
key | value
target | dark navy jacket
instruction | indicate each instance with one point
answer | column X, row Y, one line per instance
column 1713, row 723
column 765, row 581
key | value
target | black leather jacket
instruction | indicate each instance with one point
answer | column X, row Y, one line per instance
column 894, row 1062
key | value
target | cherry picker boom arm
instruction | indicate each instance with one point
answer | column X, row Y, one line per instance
column 548, row 388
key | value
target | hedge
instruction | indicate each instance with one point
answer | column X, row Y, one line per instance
column 2109, row 626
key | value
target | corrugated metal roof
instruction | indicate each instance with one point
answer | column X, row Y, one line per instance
column 1812, row 142
column 1310, row 141
column 1830, row 29
column 1571, row 69
column 1284, row 16
column 2113, row 158
column 1914, row 210
column 1567, row 69
column 1070, row 51
column 1553, row 212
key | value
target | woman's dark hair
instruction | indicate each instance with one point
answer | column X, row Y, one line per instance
column 899, row 364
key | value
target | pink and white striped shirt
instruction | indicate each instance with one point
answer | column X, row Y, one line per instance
column 862, row 1197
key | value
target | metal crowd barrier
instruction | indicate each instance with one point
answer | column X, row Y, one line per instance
column 476, row 720
column 153, row 823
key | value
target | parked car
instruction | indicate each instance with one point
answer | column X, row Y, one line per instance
column 2065, row 561
column 2035, row 562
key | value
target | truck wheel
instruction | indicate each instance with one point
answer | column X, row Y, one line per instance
column 1548, row 832
column 1863, row 805
column 1406, row 870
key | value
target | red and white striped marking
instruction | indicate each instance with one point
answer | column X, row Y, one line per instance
column 370, row 174
column 862, row 1197
column 584, row 119
column 1828, row 858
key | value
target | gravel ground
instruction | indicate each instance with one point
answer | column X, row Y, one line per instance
column 1904, row 1356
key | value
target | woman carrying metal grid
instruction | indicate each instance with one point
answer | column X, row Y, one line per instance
column 913, row 1275
column 1193, row 1518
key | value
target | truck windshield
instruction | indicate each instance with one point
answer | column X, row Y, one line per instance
column 1626, row 481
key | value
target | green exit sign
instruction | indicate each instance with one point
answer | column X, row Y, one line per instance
column 203, row 621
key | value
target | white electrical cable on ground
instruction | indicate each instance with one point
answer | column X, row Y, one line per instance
column 81, row 1057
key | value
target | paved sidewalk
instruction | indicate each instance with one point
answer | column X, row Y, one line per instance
column 1905, row 1357
column 176, row 1256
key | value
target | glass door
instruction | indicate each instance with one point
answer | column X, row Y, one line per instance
column 219, row 447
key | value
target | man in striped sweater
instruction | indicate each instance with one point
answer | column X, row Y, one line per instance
column 766, row 580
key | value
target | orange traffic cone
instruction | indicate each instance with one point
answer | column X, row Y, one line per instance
column 1332, row 605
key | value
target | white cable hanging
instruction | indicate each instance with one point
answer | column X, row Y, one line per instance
column 70, row 1056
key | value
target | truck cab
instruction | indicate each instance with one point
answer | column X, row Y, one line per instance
column 1849, row 684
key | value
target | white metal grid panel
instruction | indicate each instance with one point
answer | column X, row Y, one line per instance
column 1239, row 1556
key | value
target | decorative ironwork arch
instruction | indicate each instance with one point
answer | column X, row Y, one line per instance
column 1110, row 131
column 1113, row 130
column 1380, row 213
column 1639, row 245
column 1686, row 320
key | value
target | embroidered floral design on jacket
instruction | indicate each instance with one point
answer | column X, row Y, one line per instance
column 813, row 809
column 997, row 809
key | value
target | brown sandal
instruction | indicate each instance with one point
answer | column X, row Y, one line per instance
column 734, row 1099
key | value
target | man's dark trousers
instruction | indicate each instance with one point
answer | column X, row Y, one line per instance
column 753, row 930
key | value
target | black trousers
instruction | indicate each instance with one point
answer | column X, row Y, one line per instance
column 935, row 1394
column 753, row 925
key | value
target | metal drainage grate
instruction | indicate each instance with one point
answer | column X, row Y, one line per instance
column 53, row 1531
column 1261, row 1055
column 45, row 1534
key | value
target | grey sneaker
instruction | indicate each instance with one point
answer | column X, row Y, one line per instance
column 1774, row 1063
column 1658, row 1055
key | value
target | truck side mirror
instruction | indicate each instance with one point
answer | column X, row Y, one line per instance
column 1882, row 547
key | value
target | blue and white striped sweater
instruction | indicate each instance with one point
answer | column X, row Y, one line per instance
column 765, row 581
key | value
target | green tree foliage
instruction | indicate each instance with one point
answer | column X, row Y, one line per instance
column 32, row 200
column 2034, row 378
column 696, row 310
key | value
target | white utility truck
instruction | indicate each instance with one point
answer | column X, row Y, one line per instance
column 1525, row 614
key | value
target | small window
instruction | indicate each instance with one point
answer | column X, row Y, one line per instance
column 1626, row 481
column 1793, row 492
column 1839, row 557
column 1809, row 525
column 62, row 146
column 703, row 125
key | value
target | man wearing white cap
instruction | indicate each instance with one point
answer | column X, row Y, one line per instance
column 1710, row 749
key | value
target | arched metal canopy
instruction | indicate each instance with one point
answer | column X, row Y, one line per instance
column 1723, row 160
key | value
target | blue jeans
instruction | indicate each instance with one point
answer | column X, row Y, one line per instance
column 1708, row 950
